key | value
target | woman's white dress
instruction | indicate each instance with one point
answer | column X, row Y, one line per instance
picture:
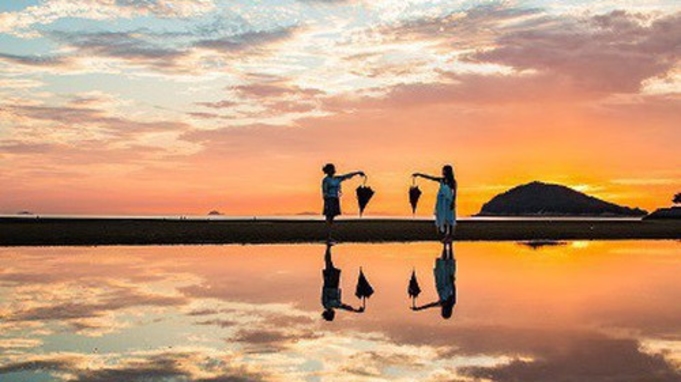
column 444, row 209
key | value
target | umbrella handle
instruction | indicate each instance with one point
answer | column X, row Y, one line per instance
column 364, row 182
column 413, row 180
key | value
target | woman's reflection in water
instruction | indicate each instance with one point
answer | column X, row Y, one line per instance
column 331, row 292
column 445, row 283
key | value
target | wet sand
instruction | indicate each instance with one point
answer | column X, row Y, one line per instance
column 86, row 231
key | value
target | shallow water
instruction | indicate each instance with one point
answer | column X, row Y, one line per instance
column 578, row 311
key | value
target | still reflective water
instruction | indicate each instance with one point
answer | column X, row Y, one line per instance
column 577, row 311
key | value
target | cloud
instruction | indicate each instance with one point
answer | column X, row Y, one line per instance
column 86, row 124
column 12, row 83
column 131, row 47
column 116, row 299
column 170, row 53
column 218, row 105
column 497, row 54
column 184, row 364
column 272, row 100
column 500, row 54
column 247, row 40
column 19, row 147
column 292, row 83
column 273, row 340
column 203, row 312
column 275, row 90
column 588, row 359
column 49, row 11
column 203, row 115
column 608, row 53
column 19, row 343
column 274, row 104
column 218, row 322
column 35, row 364
column 472, row 28
column 35, row 61
column 373, row 363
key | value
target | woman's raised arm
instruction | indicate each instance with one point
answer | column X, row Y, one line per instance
column 426, row 306
column 426, row 176
column 351, row 174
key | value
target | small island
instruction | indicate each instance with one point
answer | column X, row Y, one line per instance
column 545, row 199
column 667, row 213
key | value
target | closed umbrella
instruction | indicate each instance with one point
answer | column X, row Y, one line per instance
column 363, row 290
column 414, row 289
column 414, row 195
column 364, row 194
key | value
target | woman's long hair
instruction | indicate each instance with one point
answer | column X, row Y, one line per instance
column 448, row 174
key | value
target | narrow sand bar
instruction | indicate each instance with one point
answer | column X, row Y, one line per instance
column 122, row 231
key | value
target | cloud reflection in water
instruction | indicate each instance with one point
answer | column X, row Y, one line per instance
column 601, row 312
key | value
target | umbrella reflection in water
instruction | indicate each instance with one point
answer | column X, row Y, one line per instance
column 363, row 290
column 414, row 289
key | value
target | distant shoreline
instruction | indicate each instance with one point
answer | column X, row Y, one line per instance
column 317, row 217
column 52, row 231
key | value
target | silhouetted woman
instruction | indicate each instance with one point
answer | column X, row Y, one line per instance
column 331, row 292
column 445, row 206
column 331, row 191
column 445, row 283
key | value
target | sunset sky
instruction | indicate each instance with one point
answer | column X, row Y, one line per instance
column 185, row 106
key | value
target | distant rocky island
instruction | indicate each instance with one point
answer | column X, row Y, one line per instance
column 545, row 199
column 215, row 213
column 665, row 213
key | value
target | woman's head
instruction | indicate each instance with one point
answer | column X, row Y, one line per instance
column 447, row 308
column 329, row 169
column 448, row 174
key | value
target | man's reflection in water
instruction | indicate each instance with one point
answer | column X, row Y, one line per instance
column 445, row 283
column 331, row 292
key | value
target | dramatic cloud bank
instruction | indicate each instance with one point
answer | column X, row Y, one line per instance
column 390, row 87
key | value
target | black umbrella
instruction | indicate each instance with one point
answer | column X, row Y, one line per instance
column 364, row 194
column 414, row 195
column 363, row 289
column 414, row 289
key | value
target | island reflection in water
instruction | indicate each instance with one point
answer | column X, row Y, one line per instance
column 596, row 311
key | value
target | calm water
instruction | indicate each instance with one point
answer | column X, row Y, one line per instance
column 580, row 311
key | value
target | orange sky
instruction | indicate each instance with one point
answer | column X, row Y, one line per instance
column 108, row 115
